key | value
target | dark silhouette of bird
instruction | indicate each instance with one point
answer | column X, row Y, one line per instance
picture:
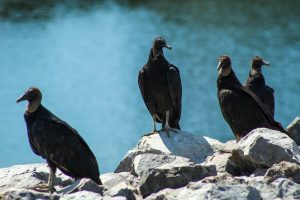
column 160, row 85
column 256, row 83
column 241, row 108
column 57, row 142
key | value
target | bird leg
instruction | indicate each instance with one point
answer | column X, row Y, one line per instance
column 51, row 178
column 167, row 127
column 49, row 186
column 154, row 124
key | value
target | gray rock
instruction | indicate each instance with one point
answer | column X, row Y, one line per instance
column 294, row 130
column 284, row 170
column 194, row 147
column 143, row 162
column 169, row 176
column 89, row 185
column 29, row 176
column 120, row 185
column 220, row 161
column 262, row 148
column 110, row 180
column 25, row 194
column 86, row 195
column 122, row 190
column 232, row 188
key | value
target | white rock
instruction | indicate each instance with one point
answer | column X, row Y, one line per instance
column 194, row 147
column 294, row 130
column 28, row 176
column 262, row 148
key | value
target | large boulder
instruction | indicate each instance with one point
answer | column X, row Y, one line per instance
column 284, row 170
column 194, row 148
column 170, row 176
column 262, row 148
column 294, row 130
column 250, row 188
column 28, row 176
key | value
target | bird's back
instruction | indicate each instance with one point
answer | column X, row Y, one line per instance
column 242, row 111
column 256, row 83
column 61, row 145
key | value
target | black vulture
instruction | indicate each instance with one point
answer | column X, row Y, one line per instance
column 160, row 85
column 241, row 108
column 57, row 142
column 256, row 83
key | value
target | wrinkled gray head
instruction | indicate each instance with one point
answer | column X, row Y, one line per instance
column 257, row 63
column 34, row 97
column 224, row 66
column 158, row 45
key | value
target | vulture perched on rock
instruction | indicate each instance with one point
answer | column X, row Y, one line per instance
column 160, row 85
column 57, row 142
column 241, row 108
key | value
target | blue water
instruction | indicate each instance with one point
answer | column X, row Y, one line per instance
column 86, row 61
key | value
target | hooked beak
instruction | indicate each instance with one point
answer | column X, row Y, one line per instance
column 266, row 63
column 22, row 98
column 168, row 46
column 219, row 66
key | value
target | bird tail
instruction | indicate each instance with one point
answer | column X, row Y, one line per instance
column 98, row 181
column 175, row 124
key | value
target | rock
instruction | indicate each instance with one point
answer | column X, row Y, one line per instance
column 262, row 148
column 182, row 166
column 89, row 185
column 169, row 176
column 194, row 147
column 86, row 195
column 220, row 161
column 110, row 180
column 294, row 130
column 28, row 176
column 25, row 194
column 284, row 170
column 143, row 162
column 120, row 185
column 122, row 190
column 232, row 188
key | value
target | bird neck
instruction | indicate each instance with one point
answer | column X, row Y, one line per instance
column 157, row 52
column 255, row 70
column 33, row 106
column 225, row 71
column 229, row 81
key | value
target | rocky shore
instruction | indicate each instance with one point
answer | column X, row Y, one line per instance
column 263, row 165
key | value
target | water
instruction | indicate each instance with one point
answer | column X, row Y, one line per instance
column 85, row 59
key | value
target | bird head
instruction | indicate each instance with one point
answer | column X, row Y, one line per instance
column 257, row 63
column 34, row 97
column 158, row 45
column 224, row 66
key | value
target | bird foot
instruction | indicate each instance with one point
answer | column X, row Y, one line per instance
column 44, row 188
column 168, row 129
column 152, row 133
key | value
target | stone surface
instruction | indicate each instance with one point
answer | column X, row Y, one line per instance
column 263, row 165
column 284, row 170
column 28, row 176
column 232, row 188
column 183, row 144
column 170, row 176
column 263, row 148
column 219, row 160
column 294, row 130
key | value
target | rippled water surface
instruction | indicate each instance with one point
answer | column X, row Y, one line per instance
column 85, row 59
